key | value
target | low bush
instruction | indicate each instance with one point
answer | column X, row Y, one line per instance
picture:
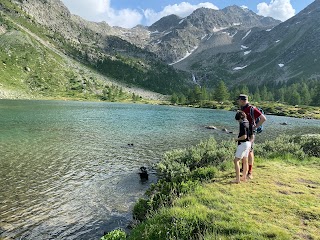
column 115, row 235
column 310, row 144
column 279, row 146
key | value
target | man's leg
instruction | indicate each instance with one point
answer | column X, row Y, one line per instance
column 250, row 161
column 251, row 158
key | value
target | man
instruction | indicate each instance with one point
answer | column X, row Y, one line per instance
column 247, row 108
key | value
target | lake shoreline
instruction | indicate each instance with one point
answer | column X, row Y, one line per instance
column 270, row 108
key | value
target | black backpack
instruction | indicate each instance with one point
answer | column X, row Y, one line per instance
column 256, row 120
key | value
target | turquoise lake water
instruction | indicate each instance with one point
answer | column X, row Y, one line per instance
column 66, row 170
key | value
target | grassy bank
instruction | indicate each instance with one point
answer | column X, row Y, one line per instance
column 270, row 108
column 194, row 198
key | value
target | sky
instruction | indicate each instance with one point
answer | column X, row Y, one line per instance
column 129, row 13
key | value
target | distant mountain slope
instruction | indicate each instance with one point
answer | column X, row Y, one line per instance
column 288, row 51
column 291, row 50
column 91, row 44
column 174, row 39
column 233, row 44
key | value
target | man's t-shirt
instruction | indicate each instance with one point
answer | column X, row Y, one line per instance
column 244, row 130
column 256, row 113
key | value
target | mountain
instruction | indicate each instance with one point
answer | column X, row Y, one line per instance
column 290, row 51
column 264, row 54
column 165, row 23
column 173, row 39
column 34, row 30
column 233, row 44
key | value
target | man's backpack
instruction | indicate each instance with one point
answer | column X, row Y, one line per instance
column 256, row 120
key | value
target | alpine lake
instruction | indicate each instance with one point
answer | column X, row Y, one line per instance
column 68, row 170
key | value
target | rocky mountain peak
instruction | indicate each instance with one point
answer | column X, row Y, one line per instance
column 165, row 23
column 234, row 9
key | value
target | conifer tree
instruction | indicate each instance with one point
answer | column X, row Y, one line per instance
column 174, row 98
column 221, row 92
column 305, row 95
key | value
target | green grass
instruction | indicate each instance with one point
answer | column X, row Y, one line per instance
column 281, row 202
column 30, row 70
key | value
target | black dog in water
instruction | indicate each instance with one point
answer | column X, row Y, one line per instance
column 144, row 173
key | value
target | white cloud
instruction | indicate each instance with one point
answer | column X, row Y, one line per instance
column 278, row 9
column 182, row 10
column 244, row 7
column 100, row 10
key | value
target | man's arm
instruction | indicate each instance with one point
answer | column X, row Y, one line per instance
column 262, row 120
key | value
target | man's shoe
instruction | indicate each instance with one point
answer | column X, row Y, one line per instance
column 250, row 176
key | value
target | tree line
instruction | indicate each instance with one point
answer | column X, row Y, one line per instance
column 303, row 93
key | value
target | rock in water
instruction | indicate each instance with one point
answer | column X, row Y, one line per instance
column 211, row 127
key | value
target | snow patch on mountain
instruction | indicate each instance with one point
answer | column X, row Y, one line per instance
column 187, row 55
column 240, row 68
column 247, row 34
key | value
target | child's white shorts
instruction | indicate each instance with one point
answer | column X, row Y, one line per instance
column 243, row 150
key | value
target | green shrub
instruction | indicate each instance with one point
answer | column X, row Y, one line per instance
column 204, row 173
column 169, row 169
column 280, row 146
column 310, row 144
column 140, row 210
column 182, row 162
column 115, row 235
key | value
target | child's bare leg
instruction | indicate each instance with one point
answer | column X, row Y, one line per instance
column 245, row 169
column 237, row 169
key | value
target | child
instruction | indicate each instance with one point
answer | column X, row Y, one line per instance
column 243, row 148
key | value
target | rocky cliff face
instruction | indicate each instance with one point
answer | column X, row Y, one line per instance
column 183, row 37
column 288, row 51
column 54, row 15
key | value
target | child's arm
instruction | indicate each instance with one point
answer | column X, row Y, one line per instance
column 243, row 137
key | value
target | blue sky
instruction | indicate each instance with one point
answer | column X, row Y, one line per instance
column 129, row 13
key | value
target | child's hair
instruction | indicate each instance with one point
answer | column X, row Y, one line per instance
column 240, row 115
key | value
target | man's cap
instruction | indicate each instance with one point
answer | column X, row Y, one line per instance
column 242, row 97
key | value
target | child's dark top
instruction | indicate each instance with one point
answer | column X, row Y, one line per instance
column 244, row 130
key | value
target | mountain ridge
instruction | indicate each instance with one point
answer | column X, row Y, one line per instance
column 234, row 45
